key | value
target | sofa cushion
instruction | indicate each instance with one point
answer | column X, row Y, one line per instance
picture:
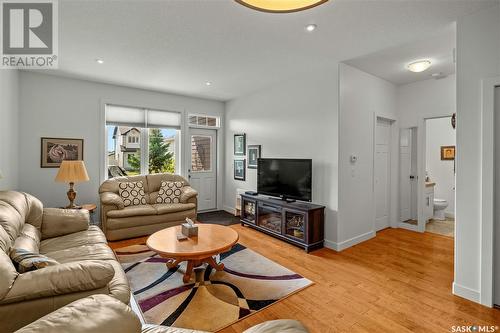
column 170, row 192
column 132, row 193
column 8, row 274
column 91, row 236
column 132, row 211
column 29, row 239
column 94, row 314
column 26, row 261
column 84, row 252
column 172, row 208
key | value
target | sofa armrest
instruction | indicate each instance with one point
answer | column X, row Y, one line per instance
column 112, row 199
column 187, row 192
column 60, row 279
column 93, row 314
column 59, row 222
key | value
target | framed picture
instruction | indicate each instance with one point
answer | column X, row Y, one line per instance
column 240, row 144
column 253, row 155
column 239, row 169
column 447, row 153
column 55, row 150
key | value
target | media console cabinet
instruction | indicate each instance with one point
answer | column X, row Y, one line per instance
column 299, row 223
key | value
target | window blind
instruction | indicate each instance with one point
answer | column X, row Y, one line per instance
column 125, row 116
column 163, row 119
column 142, row 118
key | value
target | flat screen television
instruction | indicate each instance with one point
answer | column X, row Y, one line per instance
column 285, row 178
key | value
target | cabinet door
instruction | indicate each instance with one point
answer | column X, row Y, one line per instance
column 295, row 224
column 248, row 210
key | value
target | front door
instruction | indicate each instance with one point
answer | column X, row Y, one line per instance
column 382, row 173
column 202, row 170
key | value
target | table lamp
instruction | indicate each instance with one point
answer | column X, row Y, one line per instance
column 72, row 172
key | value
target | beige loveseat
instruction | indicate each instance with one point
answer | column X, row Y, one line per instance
column 86, row 266
column 103, row 314
column 120, row 222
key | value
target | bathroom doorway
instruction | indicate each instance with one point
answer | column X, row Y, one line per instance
column 438, row 209
column 408, row 175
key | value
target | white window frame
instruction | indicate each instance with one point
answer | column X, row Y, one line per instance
column 217, row 126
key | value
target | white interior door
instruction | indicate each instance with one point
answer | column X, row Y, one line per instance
column 496, row 280
column 202, row 170
column 382, row 167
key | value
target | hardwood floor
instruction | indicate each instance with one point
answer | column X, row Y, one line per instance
column 399, row 281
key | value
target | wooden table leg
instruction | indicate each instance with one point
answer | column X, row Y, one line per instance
column 189, row 271
column 171, row 263
column 211, row 261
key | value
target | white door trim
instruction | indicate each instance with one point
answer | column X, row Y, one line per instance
column 487, row 189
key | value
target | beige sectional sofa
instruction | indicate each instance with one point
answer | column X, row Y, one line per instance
column 120, row 222
column 86, row 266
column 103, row 314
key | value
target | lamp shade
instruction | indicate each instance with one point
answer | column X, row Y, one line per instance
column 281, row 6
column 72, row 172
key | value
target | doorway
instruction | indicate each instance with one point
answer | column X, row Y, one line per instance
column 408, row 200
column 382, row 173
column 202, row 169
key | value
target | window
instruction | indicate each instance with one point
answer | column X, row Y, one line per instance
column 203, row 121
column 141, row 141
column 200, row 153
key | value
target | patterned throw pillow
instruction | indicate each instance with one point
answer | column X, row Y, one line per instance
column 170, row 192
column 26, row 261
column 132, row 193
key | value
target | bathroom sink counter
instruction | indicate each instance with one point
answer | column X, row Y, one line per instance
column 430, row 184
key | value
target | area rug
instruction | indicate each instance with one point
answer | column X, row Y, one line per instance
column 212, row 299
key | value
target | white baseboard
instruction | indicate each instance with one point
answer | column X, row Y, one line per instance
column 230, row 210
column 350, row 242
column 470, row 294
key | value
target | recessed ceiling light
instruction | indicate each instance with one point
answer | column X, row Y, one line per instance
column 419, row 66
column 99, row 61
column 208, row 83
column 311, row 27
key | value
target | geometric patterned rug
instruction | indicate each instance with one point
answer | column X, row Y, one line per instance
column 212, row 300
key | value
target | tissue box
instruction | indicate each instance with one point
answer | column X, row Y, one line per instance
column 189, row 230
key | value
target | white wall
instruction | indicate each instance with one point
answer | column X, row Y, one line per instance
column 362, row 98
column 295, row 119
column 52, row 106
column 478, row 57
column 425, row 99
column 440, row 133
column 9, row 116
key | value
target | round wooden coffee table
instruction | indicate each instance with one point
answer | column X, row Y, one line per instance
column 212, row 240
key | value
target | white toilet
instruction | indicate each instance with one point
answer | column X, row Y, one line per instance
column 439, row 207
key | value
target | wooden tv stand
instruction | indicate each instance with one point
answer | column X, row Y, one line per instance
column 299, row 223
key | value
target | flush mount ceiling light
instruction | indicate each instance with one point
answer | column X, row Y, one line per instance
column 99, row 61
column 419, row 66
column 280, row 6
column 208, row 83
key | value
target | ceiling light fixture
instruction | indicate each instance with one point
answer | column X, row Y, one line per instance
column 208, row 83
column 281, row 6
column 99, row 61
column 311, row 27
column 419, row 66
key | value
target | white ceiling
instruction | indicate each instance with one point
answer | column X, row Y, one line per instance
column 391, row 64
column 178, row 45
